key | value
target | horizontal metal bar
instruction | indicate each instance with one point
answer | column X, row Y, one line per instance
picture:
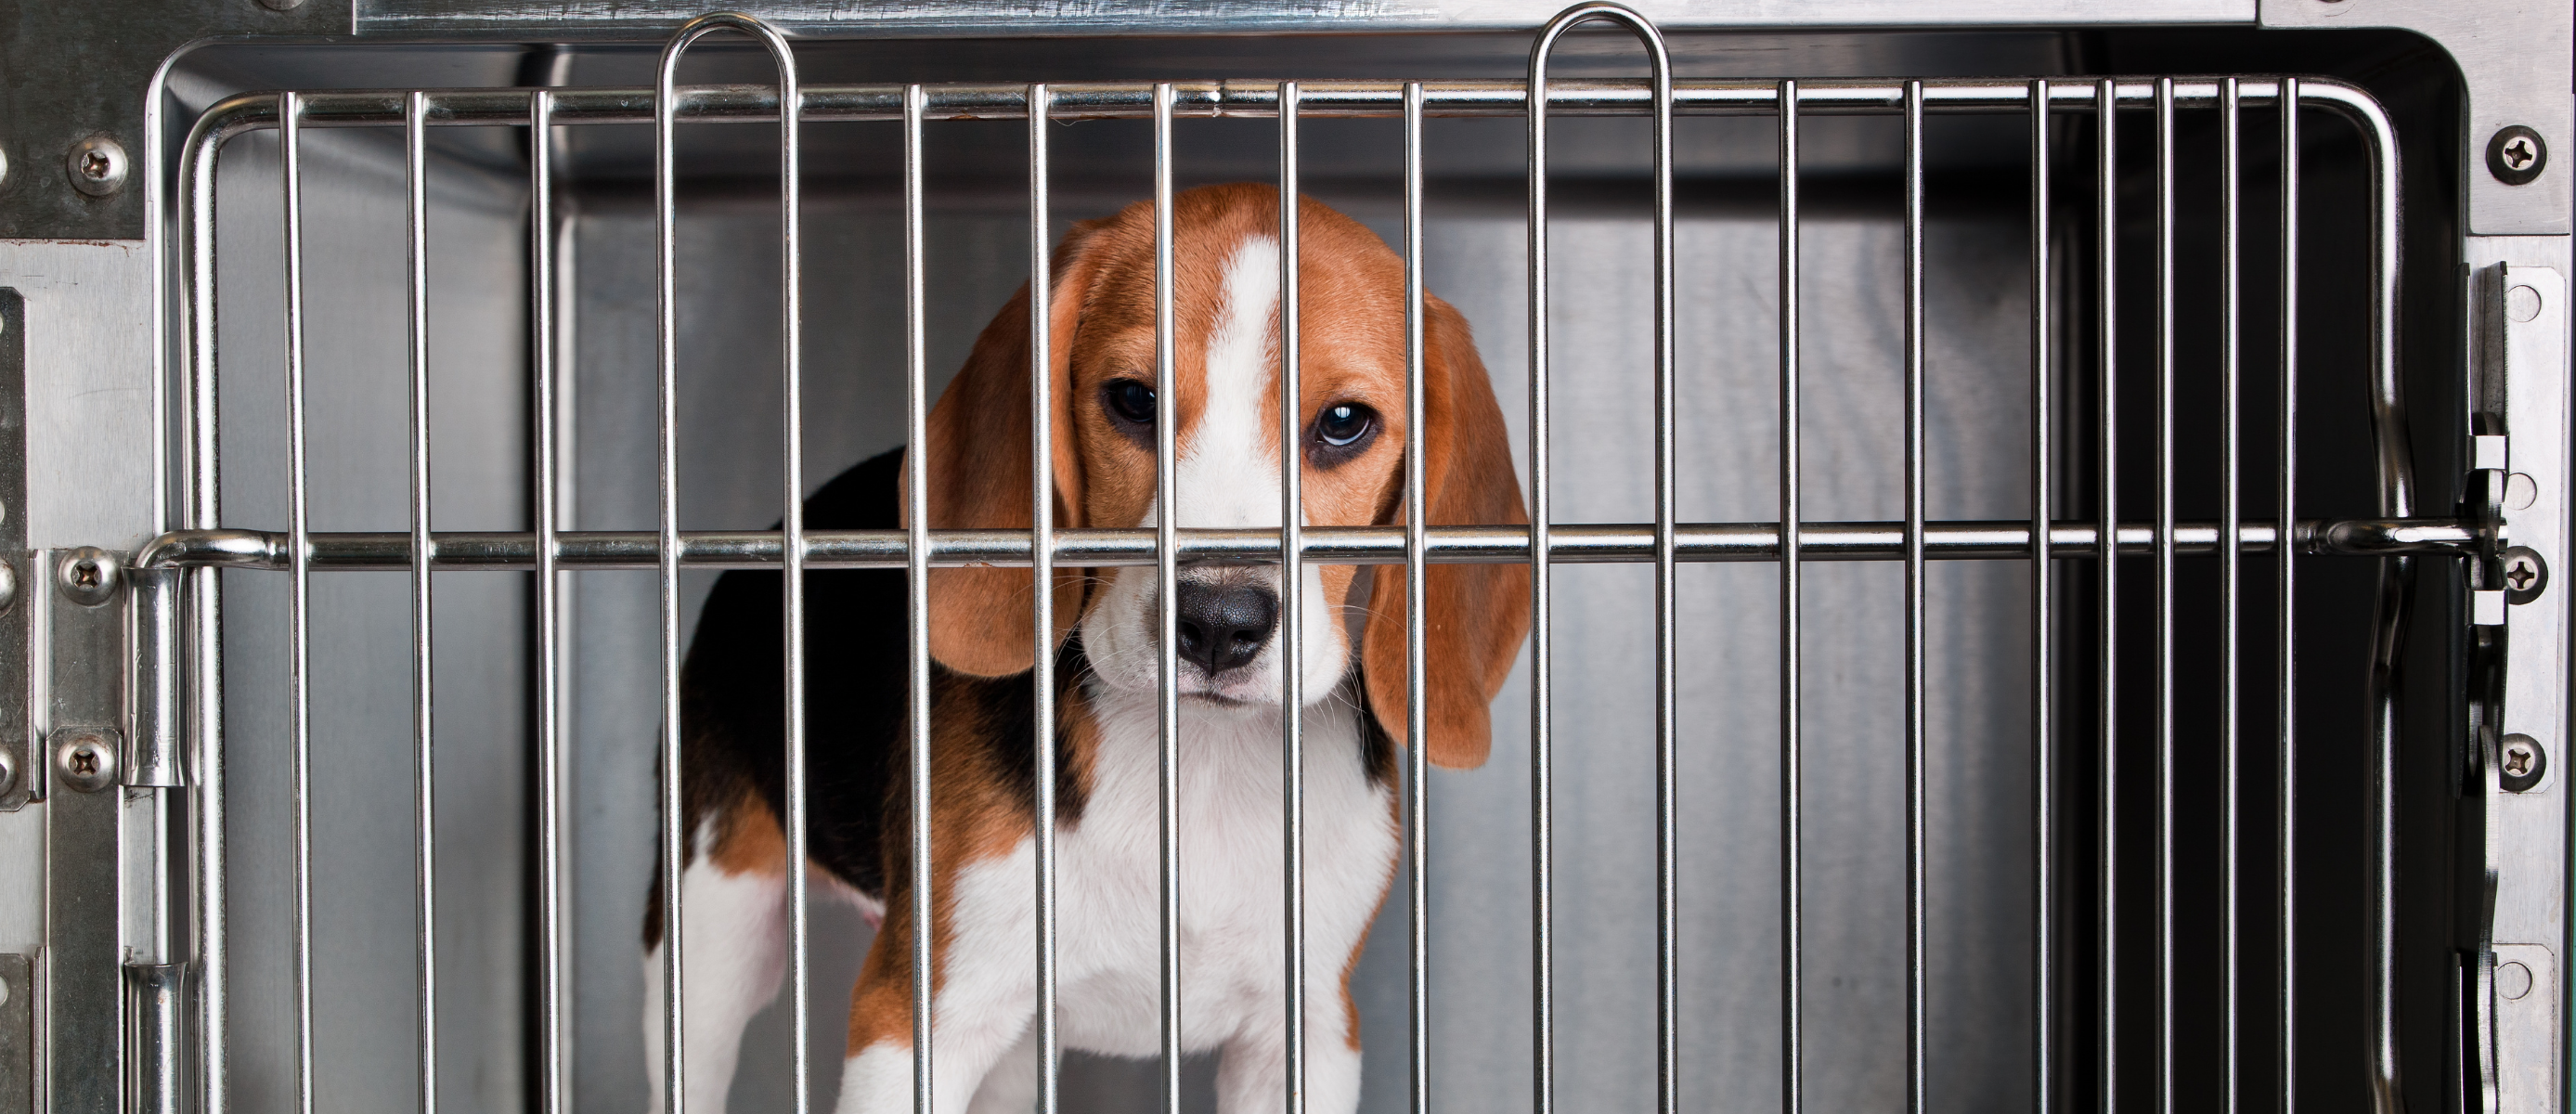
column 1330, row 545
column 518, row 21
column 753, row 104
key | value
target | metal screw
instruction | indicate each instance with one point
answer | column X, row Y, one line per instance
column 2521, row 762
column 8, row 586
column 2525, row 575
column 86, row 761
column 97, row 166
column 89, row 576
column 8, row 772
column 2516, row 155
column 281, row 5
column 4, row 164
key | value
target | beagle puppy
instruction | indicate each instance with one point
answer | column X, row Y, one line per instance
column 1226, row 290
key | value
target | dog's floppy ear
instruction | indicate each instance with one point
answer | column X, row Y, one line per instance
column 1479, row 613
column 979, row 476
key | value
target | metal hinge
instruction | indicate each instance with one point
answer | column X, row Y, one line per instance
column 2514, row 996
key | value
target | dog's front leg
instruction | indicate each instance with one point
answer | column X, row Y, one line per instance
column 1252, row 1076
column 983, row 1004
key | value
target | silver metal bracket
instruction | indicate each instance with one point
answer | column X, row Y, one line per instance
column 2513, row 58
column 2519, row 398
column 88, row 872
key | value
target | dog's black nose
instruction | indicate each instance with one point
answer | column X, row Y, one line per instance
column 1223, row 625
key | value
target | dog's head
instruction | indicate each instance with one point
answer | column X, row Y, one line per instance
column 1226, row 311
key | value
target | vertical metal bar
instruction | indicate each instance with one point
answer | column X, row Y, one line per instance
column 1667, row 618
column 205, row 694
column 424, row 769
column 299, row 563
column 2106, row 93
column 2284, row 649
column 2230, row 559
column 1792, row 775
column 1042, row 585
column 1292, row 573
column 791, row 339
column 1542, row 648
column 2396, row 580
column 1915, row 879
column 2164, row 558
column 667, row 550
column 2043, row 623
column 792, row 598
column 916, row 482
column 552, row 989
column 1417, row 543
column 1167, row 583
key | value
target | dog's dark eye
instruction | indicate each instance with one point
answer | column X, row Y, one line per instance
column 1130, row 400
column 1343, row 424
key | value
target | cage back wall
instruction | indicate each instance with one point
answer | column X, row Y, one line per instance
column 2041, row 581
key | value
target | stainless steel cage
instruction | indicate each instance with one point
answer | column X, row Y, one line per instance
column 2178, row 738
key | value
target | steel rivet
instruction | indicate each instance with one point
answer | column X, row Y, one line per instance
column 8, row 586
column 2520, row 491
column 2521, row 763
column 8, row 772
column 281, row 5
column 4, row 164
column 89, row 576
column 86, row 761
column 2512, row 981
column 2522, row 303
column 97, row 166
column 2526, row 576
column 2516, row 155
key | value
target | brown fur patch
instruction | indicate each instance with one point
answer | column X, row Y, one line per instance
column 749, row 839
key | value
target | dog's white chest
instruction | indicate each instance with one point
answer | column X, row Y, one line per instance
column 1231, row 892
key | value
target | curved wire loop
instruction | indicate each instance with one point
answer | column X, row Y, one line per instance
column 1541, row 851
column 791, row 325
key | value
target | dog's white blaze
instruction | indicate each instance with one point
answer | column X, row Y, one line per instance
column 1232, row 983
column 1227, row 478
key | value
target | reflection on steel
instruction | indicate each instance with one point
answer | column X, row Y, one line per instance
column 1167, row 621
column 424, row 768
column 1042, row 600
column 2285, row 674
column 299, row 564
column 2107, row 584
column 1292, row 577
column 2043, row 624
column 916, row 493
column 1915, row 877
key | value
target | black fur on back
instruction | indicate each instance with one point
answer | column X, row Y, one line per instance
column 733, row 698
